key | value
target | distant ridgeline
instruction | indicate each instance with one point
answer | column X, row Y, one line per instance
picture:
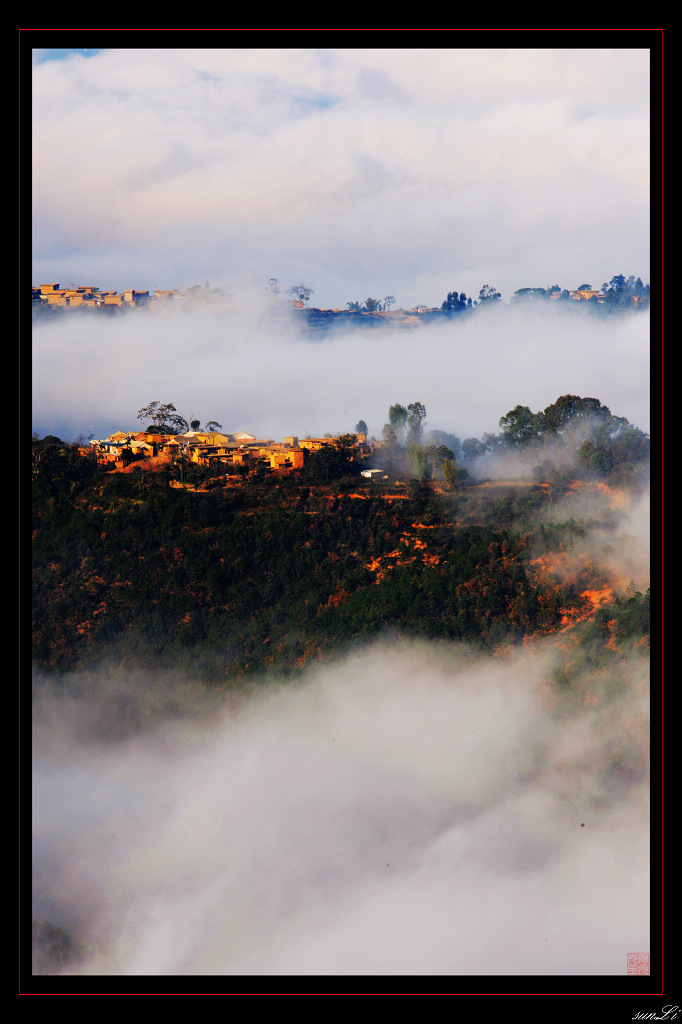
column 620, row 294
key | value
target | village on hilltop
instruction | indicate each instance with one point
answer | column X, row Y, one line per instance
column 53, row 296
column 123, row 450
column 89, row 296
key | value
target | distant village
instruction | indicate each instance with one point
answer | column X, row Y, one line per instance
column 91, row 297
column 52, row 297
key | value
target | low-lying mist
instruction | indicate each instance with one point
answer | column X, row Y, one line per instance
column 409, row 809
column 248, row 371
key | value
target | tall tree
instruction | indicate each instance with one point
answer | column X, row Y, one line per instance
column 455, row 303
column 488, row 294
column 421, row 462
column 570, row 410
column 301, row 292
column 521, row 426
column 165, row 419
column 416, row 414
column 397, row 417
column 450, row 472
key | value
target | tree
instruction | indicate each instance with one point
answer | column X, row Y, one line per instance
column 455, row 303
column 472, row 449
column 212, row 425
column 301, row 292
column 165, row 418
column 529, row 293
column 488, row 294
column 390, row 439
column 416, row 414
column 570, row 410
column 620, row 292
column 397, row 417
column 420, row 460
column 438, row 454
column 40, row 446
column 389, row 301
column 333, row 460
column 521, row 426
column 449, row 472
column 449, row 441
column 354, row 307
column 361, row 427
column 372, row 305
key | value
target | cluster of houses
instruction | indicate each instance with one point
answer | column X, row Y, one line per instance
column 119, row 450
column 89, row 295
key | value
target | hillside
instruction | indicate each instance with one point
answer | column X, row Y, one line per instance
column 240, row 579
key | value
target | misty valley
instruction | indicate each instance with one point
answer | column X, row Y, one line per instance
column 287, row 719
column 340, row 595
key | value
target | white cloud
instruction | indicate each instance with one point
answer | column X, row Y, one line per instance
column 247, row 373
column 406, row 810
column 410, row 162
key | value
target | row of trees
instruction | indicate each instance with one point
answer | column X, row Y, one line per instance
column 582, row 431
column 619, row 292
column 576, row 432
column 455, row 303
column 372, row 305
column 404, row 444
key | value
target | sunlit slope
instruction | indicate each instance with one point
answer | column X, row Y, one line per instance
column 236, row 581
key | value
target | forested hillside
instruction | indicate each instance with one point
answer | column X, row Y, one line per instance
column 235, row 578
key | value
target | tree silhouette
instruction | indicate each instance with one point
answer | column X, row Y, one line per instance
column 301, row 292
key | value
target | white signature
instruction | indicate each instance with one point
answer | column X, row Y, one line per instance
column 667, row 1013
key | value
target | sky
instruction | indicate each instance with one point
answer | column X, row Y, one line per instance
column 360, row 173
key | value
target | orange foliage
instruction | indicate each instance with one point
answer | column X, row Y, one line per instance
column 617, row 499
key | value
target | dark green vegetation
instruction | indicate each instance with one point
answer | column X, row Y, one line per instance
column 583, row 432
column 618, row 294
column 574, row 438
column 244, row 577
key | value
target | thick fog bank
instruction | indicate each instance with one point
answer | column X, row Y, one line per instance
column 251, row 372
column 406, row 810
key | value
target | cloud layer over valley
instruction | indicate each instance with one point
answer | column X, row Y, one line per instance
column 406, row 810
column 247, row 373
